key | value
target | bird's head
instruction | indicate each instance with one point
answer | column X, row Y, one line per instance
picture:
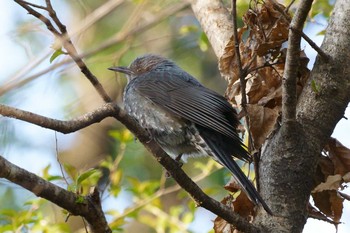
column 141, row 65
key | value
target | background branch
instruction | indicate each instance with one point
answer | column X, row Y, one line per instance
column 114, row 40
column 63, row 36
column 90, row 208
column 107, row 110
column 215, row 21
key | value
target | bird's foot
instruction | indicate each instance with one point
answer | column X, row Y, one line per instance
column 179, row 163
column 178, row 160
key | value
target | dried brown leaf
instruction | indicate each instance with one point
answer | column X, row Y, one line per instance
column 336, row 206
column 241, row 205
column 266, row 29
column 220, row 225
column 232, row 186
column 244, row 207
column 332, row 183
column 340, row 156
column 329, row 203
column 314, row 213
column 227, row 63
column 262, row 122
column 346, row 177
column 263, row 61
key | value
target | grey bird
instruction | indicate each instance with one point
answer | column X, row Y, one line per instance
column 185, row 118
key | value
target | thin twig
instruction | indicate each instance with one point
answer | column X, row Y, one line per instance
column 67, row 44
column 59, row 162
column 322, row 54
column 238, row 57
column 263, row 66
column 288, row 7
column 118, row 38
column 34, row 5
column 344, row 195
column 39, row 16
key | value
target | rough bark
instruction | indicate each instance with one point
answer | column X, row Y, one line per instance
column 216, row 22
column 290, row 155
column 289, row 159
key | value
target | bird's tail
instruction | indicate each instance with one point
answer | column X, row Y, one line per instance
column 226, row 160
column 244, row 182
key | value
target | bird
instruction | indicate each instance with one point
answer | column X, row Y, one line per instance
column 184, row 117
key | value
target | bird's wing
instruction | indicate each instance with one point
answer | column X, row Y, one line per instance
column 181, row 94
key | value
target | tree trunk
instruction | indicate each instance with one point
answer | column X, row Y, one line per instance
column 289, row 157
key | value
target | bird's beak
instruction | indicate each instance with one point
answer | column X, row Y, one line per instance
column 121, row 69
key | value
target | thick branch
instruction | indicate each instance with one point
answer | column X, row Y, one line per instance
column 70, row 126
column 289, row 83
column 319, row 112
column 296, row 151
column 215, row 21
column 90, row 208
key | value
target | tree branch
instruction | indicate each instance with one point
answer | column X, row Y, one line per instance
column 289, row 82
column 168, row 163
column 237, row 56
column 63, row 36
column 90, row 208
column 116, row 39
column 303, row 35
column 181, row 177
column 332, row 77
column 107, row 110
column 297, row 151
column 215, row 21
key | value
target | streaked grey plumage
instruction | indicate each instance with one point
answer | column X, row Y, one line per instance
column 184, row 117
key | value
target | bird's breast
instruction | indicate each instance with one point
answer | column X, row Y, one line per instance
column 174, row 134
column 149, row 115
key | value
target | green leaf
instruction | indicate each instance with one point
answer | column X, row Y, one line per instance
column 72, row 188
column 46, row 171
column 321, row 33
column 56, row 54
column 185, row 30
column 86, row 175
column 71, row 171
column 315, row 87
column 80, row 200
column 124, row 135
column 321, row 7
column 52, row 178
column 203, row 42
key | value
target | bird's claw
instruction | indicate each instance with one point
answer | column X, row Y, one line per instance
column 179, row 163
